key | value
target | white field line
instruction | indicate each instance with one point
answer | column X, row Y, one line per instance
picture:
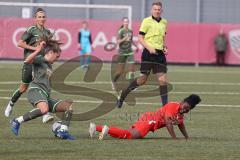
column 108, row 82
column 171, row 69
column 140, row 103
column 113, row 92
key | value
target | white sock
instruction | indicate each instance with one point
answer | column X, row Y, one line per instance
column 20, row 119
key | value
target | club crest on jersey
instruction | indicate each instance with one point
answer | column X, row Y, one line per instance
column 234, row 39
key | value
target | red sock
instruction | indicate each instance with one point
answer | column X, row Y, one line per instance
column 119, row 133
column 99, row 128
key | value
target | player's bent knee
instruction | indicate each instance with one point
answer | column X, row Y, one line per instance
column 44, row 110
column 23, row 88
column 162, row 81
column 69, row 104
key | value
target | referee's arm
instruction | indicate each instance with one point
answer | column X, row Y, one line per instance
column 145, row 45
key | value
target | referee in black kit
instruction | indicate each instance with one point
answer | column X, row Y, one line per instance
column 151, row 36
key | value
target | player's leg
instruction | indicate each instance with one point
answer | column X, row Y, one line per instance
column 26, row 79
column 119, row 69
column 131, row 67
column 145, row 71
column 163, row 87
column 223, row 58
column 65, row 107
column 121, row 60
column 218, row 54
column 160, row 69
column 82, row 56
column 38, row 98
column 112, row 131
column 42, row 108
column 87, row 59
column 88, row 55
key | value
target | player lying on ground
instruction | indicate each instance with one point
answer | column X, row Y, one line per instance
column 39, row 89
column 170, row 114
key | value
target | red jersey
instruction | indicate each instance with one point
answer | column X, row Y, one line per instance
column 170, row 110
column 151, row 121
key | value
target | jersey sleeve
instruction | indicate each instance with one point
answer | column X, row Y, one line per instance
column 143, row 28
column 180, row 119
column 79, row 37
column 165, row 22
column 131, row 35
column 119, row 36
column 90, row 38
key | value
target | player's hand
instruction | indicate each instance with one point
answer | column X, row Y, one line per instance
column 43, row 43
column 40, row 46
column 126, row 38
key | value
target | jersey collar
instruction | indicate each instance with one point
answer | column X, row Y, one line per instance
column 158, row 20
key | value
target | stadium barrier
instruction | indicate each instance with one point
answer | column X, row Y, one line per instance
column 187, row 42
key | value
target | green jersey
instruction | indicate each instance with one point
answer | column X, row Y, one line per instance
column 32, row 35
column 126, row 46
column 42, row 71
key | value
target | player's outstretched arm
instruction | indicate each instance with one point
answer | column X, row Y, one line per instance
column 183, row 130
column 169, row 125
column 31, row 57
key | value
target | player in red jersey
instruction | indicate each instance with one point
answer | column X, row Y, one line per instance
column 167, row 116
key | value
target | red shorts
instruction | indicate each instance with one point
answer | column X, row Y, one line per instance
column 146, row 123
column 142, row 127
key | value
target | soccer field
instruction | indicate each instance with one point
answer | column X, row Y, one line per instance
column 213, row 129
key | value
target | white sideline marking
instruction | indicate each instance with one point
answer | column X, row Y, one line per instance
column 141, row 103
column 171, row 69
column 171, row 92
column 108, row 82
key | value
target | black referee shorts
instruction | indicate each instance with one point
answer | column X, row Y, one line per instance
column 156, row 63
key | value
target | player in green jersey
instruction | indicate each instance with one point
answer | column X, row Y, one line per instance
column 125, row 52
column 28, row 42
column 39, row 89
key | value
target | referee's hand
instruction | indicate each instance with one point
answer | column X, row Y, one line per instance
column 152, row 50
column 165, row 50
